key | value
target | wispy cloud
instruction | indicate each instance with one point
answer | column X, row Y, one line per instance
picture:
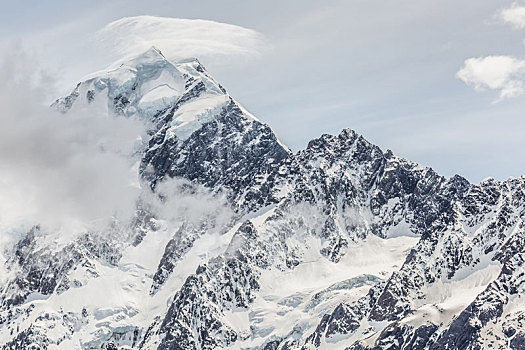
column 514, row 15
column 500, row 73
column 179, row 38
column 78, row 172
column 60, row 170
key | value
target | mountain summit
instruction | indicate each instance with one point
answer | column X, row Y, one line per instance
column 247, row 245
column 198, row 131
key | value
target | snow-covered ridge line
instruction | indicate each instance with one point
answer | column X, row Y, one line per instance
column 340, row 245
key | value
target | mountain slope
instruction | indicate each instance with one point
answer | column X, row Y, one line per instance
column 239, row 243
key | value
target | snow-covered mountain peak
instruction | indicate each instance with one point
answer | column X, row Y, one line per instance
column 152, row 56
column 143, row 86
column 189, row 116
column 339, row 246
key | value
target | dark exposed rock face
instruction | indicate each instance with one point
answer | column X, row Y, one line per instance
column 398, row 337
column 45, row 270
column 492, row 211
column 464, row 331
column 174, row 251
column 28, row 339
column 194, row 316
column 241, row 147
column 359, row 174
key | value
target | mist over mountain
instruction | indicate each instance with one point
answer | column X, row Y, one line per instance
column 148, row 209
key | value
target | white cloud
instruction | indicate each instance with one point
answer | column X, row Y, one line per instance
column 514, row 15
column 65, row 172
column 501, row 73
column 180, row 200
column 179, row 38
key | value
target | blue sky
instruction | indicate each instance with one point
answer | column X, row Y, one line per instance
column 384, row 68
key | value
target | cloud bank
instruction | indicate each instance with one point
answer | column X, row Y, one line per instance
column 500, row 73
column 63, row 172
column 179, row 38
